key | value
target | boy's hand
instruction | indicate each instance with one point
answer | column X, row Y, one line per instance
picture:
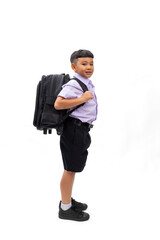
column 87, row 96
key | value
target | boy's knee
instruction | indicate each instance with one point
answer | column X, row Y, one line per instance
column 70, row 173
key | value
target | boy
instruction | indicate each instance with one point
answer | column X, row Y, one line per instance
column 75, row 138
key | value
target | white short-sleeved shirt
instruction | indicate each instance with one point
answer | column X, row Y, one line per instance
column 72, row 90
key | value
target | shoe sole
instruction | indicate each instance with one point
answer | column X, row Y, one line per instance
column 73, row 219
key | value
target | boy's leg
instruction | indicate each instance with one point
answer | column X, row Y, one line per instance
column 70, row 212
column 66, row 186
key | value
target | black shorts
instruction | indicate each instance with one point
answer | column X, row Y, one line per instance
column 74, row 142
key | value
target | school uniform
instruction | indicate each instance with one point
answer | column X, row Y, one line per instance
column 75, row 139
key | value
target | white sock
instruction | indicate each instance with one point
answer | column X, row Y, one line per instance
column 65, row 207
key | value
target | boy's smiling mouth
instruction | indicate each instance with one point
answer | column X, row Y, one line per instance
column 88, row 73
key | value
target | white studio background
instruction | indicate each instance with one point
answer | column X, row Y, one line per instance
column 122, row 176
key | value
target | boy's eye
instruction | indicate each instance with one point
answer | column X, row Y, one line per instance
column 86, row 64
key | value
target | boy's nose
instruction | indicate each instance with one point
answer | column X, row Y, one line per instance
column 88, row 67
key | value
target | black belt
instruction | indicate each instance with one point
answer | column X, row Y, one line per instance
column 80, row 123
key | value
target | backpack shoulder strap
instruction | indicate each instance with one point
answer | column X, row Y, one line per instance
column 83, row 86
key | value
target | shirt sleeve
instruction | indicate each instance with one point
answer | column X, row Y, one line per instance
column 71, row 90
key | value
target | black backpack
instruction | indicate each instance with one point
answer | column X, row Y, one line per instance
column 46, row 116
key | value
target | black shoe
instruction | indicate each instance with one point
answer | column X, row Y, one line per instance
column 78, row 205
column 73, row 214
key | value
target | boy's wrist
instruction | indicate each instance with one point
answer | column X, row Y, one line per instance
column 83, row 99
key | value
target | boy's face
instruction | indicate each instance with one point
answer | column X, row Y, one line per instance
column 84, row 67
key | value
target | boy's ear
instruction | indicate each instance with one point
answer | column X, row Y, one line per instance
column 73, row 66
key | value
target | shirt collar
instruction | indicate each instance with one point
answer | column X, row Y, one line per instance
column 83, row 79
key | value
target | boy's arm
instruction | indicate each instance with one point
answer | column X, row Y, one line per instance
column 63, row 103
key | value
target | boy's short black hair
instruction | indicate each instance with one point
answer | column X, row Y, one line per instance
column 80, row 54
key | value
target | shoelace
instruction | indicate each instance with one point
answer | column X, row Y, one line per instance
column 76, row 203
